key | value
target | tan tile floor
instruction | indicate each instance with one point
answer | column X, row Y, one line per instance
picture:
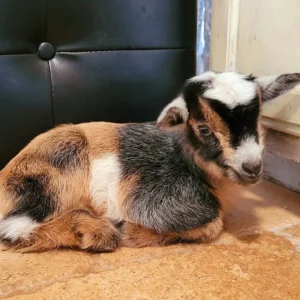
column 257, row 257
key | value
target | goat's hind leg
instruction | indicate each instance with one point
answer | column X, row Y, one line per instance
column 80, row 229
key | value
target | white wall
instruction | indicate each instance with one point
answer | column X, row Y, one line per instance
column 260, row 37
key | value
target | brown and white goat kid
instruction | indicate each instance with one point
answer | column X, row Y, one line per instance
column 73, row 185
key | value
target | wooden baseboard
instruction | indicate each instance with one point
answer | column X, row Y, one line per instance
column 282, row 159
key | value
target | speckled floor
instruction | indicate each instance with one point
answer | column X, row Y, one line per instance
column 257, row 257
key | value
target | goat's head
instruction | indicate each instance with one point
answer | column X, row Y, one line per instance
column 221, row 112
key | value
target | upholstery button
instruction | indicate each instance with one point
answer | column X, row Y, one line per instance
column 46, row 51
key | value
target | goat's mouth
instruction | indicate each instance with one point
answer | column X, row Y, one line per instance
column 242, row 177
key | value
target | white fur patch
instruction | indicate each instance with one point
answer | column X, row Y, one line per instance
column 104, row 185
column 176, row 103
column 17, row 227
column 206, row 76
column 248, row 151
column 230, row 88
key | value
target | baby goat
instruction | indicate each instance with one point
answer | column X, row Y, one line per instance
column 73, row 185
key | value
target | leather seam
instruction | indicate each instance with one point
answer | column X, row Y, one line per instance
column 124, row 50
column 52, row 93
column 96, row 51
column 46, row 19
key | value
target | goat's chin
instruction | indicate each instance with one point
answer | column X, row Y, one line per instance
column 241, row 178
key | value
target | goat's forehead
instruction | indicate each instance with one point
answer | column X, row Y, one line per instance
column 232, row 89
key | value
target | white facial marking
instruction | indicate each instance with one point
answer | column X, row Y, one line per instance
column 17, row 227
column 248, row 151
column 104, row 185
column 206, row 76
column 230, row 88
column 176, row 103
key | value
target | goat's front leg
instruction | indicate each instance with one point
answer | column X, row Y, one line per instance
column 137, row 236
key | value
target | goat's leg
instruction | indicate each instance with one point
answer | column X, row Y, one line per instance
column 137, row 236
column 81, row 229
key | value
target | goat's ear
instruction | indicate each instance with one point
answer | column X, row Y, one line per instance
column 175, row 113
column 274, row 86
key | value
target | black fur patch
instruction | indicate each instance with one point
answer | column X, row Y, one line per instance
column 250, row 77
column 33, row 196
column 192, row 91
column 69, row 150
column 242, row 120
column 173, row 193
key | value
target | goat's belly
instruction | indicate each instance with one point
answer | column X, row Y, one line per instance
column 104, row 184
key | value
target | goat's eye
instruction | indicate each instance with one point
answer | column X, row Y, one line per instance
column 204, row 130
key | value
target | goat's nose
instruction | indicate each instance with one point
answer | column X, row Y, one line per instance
column 253, row 169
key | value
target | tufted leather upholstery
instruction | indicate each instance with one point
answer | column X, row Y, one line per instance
column 111, row 60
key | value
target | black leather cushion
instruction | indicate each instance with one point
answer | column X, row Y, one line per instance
column 111, row 60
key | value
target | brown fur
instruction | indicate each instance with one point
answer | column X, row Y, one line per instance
column 137, row 236
column 206, row 233
column 126, row 186
column 227, row 193
column 72, row 184
column 218, row 127
column 213, row 119
column 215, row 173
column 68, row 180
column 194, row 124
column 6, row 199
column 6, row 202
column 61, row 158
column 176, row 128
column 102, row 137
column 172, row 118
column 81, row 229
